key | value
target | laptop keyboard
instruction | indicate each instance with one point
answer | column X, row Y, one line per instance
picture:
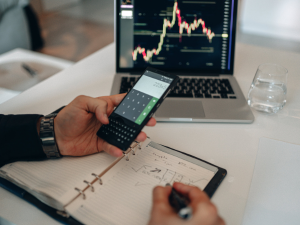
column 191, row 87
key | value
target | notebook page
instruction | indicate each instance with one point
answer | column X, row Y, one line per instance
column 58, row 178
column 126, row 194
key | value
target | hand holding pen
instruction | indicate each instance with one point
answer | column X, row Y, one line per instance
column 203, row 210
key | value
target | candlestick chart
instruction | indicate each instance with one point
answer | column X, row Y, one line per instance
column 179, row 33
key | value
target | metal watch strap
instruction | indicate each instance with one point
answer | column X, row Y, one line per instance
column 47, row 137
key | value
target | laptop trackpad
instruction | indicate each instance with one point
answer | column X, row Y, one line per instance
column 187, row 108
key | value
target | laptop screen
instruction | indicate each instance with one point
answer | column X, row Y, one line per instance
column 182, row 36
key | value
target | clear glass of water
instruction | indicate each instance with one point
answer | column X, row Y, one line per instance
column 268, row 89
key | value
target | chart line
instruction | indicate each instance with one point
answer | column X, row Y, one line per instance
column 183, row 25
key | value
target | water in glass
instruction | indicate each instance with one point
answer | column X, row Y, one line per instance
column 268, row 91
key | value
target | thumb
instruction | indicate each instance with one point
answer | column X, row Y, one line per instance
column 94, row 105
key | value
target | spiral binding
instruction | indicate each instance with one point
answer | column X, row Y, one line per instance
column 100, row 180
column 81, row 192
column 138, row 144
column 126, row 156
column 132, row 149
column 91, row 186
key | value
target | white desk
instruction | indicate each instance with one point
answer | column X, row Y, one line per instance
column 12, row 61
column 231, row 146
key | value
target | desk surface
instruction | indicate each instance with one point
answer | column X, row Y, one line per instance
column 231, row 146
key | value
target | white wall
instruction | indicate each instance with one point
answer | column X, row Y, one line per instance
column 276, row 18
column 55, row 4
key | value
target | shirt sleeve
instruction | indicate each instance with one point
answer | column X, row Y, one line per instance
column 19, row 139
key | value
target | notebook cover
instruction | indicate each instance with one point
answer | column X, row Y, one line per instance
column 209, row 189
column 21, row 193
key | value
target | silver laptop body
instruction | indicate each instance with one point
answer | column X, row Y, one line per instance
column 131, row 60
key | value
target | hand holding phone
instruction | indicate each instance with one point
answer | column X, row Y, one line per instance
column 137, row 107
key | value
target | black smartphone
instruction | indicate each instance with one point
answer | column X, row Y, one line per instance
column 137, row 107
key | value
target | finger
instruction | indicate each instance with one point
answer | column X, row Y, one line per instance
column 161, row 200
column 195, row 195
column 151, row 122
column 202, row 207
column 141, row 137
column 94, row 105
column 110, row 149
column 114, row 99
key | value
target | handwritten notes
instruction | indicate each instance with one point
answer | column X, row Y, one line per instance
column 160, row 168
column 127, row 188
column 164, row 175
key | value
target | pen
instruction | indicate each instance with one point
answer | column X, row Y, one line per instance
column 180, row 204
column 29, row 69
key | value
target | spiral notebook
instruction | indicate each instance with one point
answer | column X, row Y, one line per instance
column 100, row 189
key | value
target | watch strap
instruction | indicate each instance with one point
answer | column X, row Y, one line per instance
column 47, row 137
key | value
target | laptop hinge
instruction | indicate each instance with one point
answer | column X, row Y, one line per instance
column 186, row 74
column 198, row 74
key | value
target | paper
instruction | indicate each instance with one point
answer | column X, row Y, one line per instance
column 58, row 178
column 274, row 196
column 126, row 194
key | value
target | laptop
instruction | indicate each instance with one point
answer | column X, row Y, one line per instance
column 192, row 39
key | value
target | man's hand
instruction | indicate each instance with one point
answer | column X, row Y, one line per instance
column 204, row 212
column 76, row 126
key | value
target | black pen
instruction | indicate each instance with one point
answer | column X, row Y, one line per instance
column 29, row 69
column 180, row 204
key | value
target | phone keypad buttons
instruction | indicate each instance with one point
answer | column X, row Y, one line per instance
column 134, row 104
column 118, row 131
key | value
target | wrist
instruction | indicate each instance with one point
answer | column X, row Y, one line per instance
column 58, row 139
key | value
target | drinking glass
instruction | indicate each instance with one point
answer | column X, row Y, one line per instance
column 268, row 89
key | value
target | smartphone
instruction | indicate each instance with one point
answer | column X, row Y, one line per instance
column 137, row 107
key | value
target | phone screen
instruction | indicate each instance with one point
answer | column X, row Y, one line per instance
column 143, row 97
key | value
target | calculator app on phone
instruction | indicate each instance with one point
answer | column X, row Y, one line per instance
column 137, row 107
column 144, row 96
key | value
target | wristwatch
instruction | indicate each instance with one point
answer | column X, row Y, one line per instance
column 47, row 137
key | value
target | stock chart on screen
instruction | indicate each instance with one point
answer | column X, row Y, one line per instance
column 180, row 33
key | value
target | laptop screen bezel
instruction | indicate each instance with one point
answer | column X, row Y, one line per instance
column 184, row 71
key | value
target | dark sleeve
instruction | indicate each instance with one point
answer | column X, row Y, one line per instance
column 19, row 139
